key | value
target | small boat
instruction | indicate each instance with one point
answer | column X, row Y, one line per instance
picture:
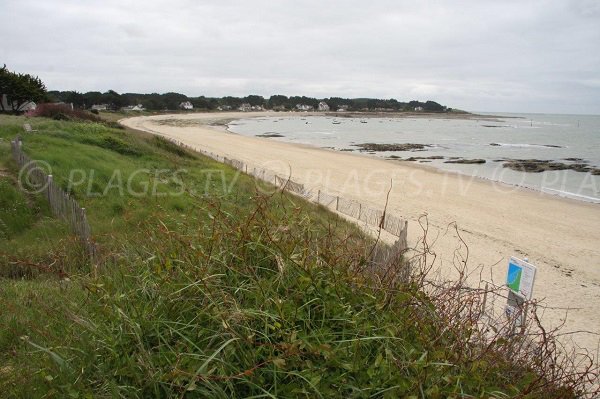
column 336, row 122
column 363, row 121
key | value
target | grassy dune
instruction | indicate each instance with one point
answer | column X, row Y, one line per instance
column 226, row 290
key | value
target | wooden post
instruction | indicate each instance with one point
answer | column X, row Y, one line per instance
column 318, row 196
column 337, row 202
column 359, row 210
column 483, row 303
column 48, row 193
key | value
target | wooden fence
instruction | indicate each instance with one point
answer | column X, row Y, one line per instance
column 372, row 217
column 62, row 204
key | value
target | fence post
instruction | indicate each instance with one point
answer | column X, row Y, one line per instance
column 48, row 192
column 337, row 202
column 359, row 210
column 483, row 303
column 318, row 196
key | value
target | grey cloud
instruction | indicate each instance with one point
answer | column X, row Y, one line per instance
column 538, row 56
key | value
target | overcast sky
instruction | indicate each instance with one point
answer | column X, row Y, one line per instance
column 529, row 56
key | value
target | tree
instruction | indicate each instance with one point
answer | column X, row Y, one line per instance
column 277, row 100
column 113, row 99
column 172, row 100
column 19, row 89
column 254, row 100
column 432, row 106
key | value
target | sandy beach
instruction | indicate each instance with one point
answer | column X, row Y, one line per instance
column 560, row 236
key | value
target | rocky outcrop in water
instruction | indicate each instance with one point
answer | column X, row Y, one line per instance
column 466, row 161
column 420, row 159
column 538, row 166
column 270, row 135
column 392, row 147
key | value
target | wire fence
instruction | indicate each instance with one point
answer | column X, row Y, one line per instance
column 62, row 205
column 376, row 218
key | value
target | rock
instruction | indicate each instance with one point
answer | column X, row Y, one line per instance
column 270, row 135
column 466, row 161
column 392, row 147
column 420, row 159
column 424, row 158
column 533, row 165
column 538, row 166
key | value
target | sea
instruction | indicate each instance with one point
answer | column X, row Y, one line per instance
column 493, row 138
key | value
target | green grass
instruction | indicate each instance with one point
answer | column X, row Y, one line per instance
column 213, row 293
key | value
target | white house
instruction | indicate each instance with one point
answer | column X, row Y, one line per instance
column 342, row 108
column 418, row 109
column 186, row 105
column 24, row 107
column 304, row 107
column 323, row 107
column 245, row 107
column 138, row 107
column 99, row 107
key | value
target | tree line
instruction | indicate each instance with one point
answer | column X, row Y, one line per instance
column 18, row 89
column 171, row 101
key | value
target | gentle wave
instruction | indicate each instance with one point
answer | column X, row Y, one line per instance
column 522, row 145
column 569, row 194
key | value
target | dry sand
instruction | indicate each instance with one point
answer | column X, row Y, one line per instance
column 560, row 236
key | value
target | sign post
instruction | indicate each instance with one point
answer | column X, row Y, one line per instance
column 519, row 279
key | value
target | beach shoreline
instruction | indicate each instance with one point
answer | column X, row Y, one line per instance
column 495, row 220
column 568, row 197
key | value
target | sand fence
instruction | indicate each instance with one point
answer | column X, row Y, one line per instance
column 376, row 218
column 66, row 207
column 62, row 205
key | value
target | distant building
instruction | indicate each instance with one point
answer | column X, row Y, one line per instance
column 342, row 108
column 28, row 106
column 245, row 107
column 279, row 108
column 304, row 107
column 138, row 107
column 99, row 107
column 186, row 105
column 323, row 107
column 418, row 109
column 224, row 107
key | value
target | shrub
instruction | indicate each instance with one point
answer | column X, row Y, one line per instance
column 62, row 112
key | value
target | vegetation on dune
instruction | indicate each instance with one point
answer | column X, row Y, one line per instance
column 226, row 289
